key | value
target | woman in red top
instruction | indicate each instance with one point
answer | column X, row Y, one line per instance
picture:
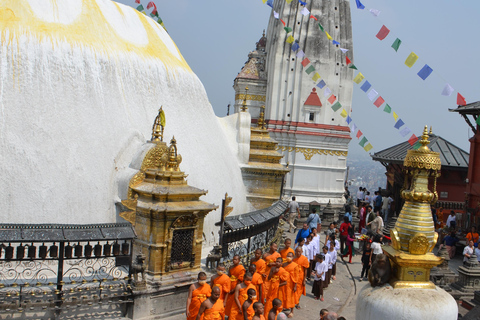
column 344, row 232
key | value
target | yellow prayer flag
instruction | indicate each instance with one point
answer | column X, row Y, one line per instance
column 395, row 116
column 344, row 113
column 288, row 1
column 368, row 147
column 264, row 1
column 412, row 58
column 290, row 39
column 359, row 78
column 316, row 76
column 328, row 36
column 162, row 118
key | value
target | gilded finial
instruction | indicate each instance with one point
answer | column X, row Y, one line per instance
column 244, row 104
column 264, row 32
column 261, row 118
column 158, row 126
column 431, row 131
column 424, row 140
column 174, row 158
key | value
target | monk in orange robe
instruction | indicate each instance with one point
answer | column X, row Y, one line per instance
column 212, row 308
column 276, row 279
column 259, row 263
column 286, row 249
column 241, row 296
column 236, row 273
column 276, row 309
column 257, row 281
column 222, row 281
column 270, row 259
column 247, row 307
column 197, row 294
column 288, row 292
column 303, row 264
column 259, row 310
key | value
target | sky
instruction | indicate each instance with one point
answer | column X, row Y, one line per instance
column 215, row 37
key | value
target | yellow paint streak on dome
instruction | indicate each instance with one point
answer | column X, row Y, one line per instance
column 90, row 29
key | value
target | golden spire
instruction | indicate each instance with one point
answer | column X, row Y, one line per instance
column 174, row 159
column 261, row 118
column 244, row 104
column 158, row 126
column 431, row 131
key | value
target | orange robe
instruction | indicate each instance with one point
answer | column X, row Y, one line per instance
column 198, row 296
column 261, row 266
column 250, row 311
column 286, row 293
column 236, row 277
column 216, row 312
column 223, row 282
column 273, row 286
column 284, row 253
column 242, row 297
column 271, row 258
column 257, row 281
column 302, row 263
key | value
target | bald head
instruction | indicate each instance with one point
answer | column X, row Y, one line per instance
column 331, row 316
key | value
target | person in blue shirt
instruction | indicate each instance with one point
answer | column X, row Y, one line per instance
column 450, row 242
column 302, row 233
column 348, row 213
column 313, row 220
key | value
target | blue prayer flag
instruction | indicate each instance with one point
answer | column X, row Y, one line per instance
column 360, row 5
column 302, row 3
column 270, row 3
column 366, row 86
column 295, row 46
column 335, row 42
column 425, row 72
column 321, row 84
column 399, row 124
column 349, row 119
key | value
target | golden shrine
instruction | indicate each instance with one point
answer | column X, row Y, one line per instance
column 414, row 236
column 167, row 213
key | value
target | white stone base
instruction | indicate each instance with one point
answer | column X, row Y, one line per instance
column 409, row 304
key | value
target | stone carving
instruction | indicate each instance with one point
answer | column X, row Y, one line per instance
column 185, row 221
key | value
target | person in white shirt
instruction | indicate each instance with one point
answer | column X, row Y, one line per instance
column 333, row 259
column 308, row 252
column 376, row 246
column 467, row 252
column 315, row 241
column 360, row 196
column 377, row 224
column 451, row 220
column 293, row 210
column 332, row 239
column 321, row 269
column 386, row 202
column 328, row 261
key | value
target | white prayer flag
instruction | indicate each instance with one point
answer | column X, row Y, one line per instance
column 372, row 94
column 405, row 131
column 448, row 90
column 276, row 15
column 305, row 11
column 344, row 50
column 375, row 12
column 300, row 54
column 353, row 126
column 327, row 92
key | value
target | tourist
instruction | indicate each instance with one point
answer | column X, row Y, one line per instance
column 435, row 218
column 275, row 309
column 376, row 247
column 350, row 240
column 313, row 219
column 315, row 241
column 271, row 257
column 477, row 251
column 304, row 265
column 344, row 232
column 346, row 194
column 467, row 252
column 212, row 308
column 293, row 210
column 257, row 281
column 451, row 220
column 308, row 252
column 259, row 263
column 240, row 296
column 386, row 203
column 323, row 313
column 360, row 196
column 348, row 213
column 335, row 241
column 259, row 310
column 333, row 259
column 319, row 277
column 368, row 198
column 302, row 233
column 197, row 294
column 286, row 249
column 450, row 242
column 328, row 262
column 276, row 279
column 247, row 307
column 378, row 202
column 366, row 261
column 472, row 235
column 236, row 273
column 376, row 224
column 329, row 231
column 369, row 217
column 222, row 281
column 362, row 217
column 287, row 293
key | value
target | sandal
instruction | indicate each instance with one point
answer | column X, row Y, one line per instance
column 298, row 306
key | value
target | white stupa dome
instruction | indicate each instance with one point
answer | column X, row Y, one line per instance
column 81, row 82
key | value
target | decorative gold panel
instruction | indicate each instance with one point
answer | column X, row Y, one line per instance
column 308, row 153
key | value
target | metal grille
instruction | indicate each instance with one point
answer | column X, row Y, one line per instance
column 182, row 246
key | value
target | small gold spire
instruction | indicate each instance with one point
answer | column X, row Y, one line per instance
column 264, row 32
column 244, row 104
column 158, row 126
column 431, row 131
column 261, row 118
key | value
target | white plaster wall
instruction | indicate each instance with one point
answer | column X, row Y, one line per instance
column 73, row 117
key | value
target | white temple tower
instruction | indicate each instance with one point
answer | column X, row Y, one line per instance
column 313, row 138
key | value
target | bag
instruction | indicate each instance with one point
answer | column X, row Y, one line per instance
column 356, row 245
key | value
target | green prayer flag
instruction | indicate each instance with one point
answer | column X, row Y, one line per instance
column 362, row 142
column 288, row 29
column 321, row 28
column 387, row 108
column 310, row 69
column 140, row 8
column 352, row 66
column 336, row 106
column 396, row 44
column 478, row 121
column 416, row 145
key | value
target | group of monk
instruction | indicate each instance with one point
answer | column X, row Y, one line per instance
column 274, row 282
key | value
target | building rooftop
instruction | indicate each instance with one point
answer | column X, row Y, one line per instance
column 450, row 155
column 471, row 108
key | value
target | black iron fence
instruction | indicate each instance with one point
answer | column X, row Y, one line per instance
column 53, row 267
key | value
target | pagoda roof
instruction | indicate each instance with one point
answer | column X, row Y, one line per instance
column 250, row 70
column 471, row 108
column 313, row 99
column 450, row 154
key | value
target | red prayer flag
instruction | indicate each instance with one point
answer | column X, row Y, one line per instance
column 379, row 102
column 284, row 24
column 305, row 62
column 461, row 100
column 413, row 139
column 312, row 17
column 359, row 134
column 383, row 33
column 348, row 60
column 332, row 99
column 137, row 1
